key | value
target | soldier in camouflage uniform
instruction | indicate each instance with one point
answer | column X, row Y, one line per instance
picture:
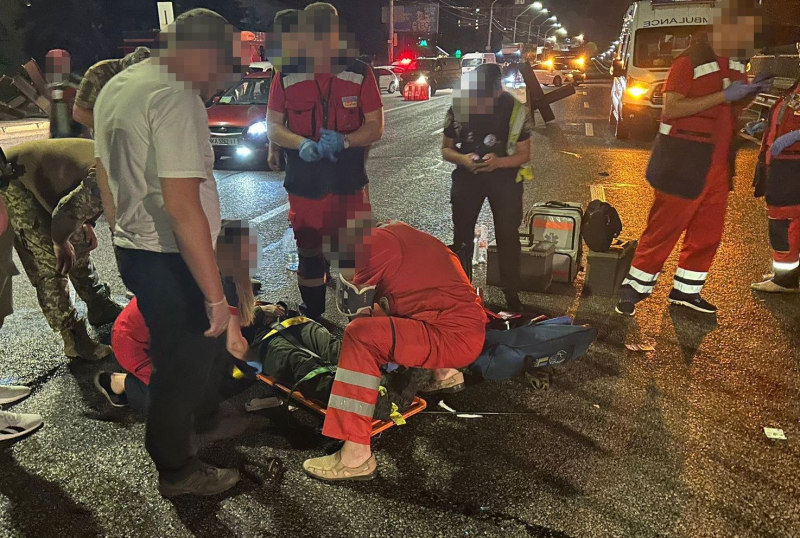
column 96, row 77
column 40, row 174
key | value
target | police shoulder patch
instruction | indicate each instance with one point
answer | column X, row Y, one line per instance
column 350, row 101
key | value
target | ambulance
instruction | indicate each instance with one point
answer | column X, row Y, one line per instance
column 654, row 33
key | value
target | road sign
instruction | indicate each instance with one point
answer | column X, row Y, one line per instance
column 165, row 14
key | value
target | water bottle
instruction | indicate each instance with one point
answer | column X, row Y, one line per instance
column 290, row 250
column 476, row 253
column 483, row 245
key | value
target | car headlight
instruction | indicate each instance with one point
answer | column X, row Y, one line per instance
column 637, row 89
column 258, row 128
column 422, row 79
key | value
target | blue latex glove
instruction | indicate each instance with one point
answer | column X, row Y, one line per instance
column 309, row 151
column 738, row 90
column 783, row 142
column 331, row 143
column 755, row 127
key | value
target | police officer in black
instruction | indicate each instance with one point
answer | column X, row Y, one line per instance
column 487, row 137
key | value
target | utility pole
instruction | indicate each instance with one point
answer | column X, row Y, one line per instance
column 391, row 31
column 491, row 19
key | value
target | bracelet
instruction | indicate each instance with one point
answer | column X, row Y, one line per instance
column 212, row 305
column 233, row 310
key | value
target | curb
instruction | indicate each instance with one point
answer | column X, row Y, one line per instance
column 26, row 127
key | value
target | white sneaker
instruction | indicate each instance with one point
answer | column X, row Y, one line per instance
column 11, row 393
column 13, row 425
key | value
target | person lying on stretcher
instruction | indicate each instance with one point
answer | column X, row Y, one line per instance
column 251, row 337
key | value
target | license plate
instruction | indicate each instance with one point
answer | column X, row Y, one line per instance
column 224, row 141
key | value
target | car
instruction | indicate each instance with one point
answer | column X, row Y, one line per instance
column 237, row 119
column 439, row 73
column 549, row 72
column 472, row 60
column 387, row 79
column 260, row 67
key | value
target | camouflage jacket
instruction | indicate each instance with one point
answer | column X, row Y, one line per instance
column 93, row 81
column 84, row 203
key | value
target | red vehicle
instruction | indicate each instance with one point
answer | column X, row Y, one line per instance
column 237, row 119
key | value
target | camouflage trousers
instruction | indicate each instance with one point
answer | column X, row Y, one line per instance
column 34, row 245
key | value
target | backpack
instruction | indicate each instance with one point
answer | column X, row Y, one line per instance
column 507, row 354
column 601, row 225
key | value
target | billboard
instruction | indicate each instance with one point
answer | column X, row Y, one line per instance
column 417, row 18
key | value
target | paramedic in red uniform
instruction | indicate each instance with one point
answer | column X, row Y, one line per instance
column 782, row 190
column 691, row 168
column 324, row 111
column 414, row 306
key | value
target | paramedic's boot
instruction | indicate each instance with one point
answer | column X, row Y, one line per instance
column 207, row 480
column 102, row 309
column 691, row 300
column 454, row 383
column 628, row 297
column 13, row 425
column 331, row 469
column 78, row 343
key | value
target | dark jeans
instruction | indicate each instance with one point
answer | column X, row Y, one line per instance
column 505, row 198
column 187, row 366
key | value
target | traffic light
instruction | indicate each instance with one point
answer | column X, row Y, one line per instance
column 423, row 43
column 458, row 53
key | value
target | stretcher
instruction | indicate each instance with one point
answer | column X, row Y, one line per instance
column 378, row 426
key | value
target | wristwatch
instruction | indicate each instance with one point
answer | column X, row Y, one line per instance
column 346, row 143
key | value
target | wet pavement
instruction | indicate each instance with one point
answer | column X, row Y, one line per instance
column 666, row 443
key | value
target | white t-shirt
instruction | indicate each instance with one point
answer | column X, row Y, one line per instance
column 148, row 126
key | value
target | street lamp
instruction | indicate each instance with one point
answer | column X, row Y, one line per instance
column 556, row 27
column 552, row 19
column 535, row 5
column 491, row 19
column 542, row 12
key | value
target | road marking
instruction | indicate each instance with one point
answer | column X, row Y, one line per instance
column 589, row 129
column 577, row 156
column 437, row 131
column 269, row 214
column 585, row 104
column 410, row 104
column 598, row 192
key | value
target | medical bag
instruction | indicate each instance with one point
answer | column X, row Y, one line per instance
column 559, row 223
column 535, row 267
column 507, row 354
column 605, row 271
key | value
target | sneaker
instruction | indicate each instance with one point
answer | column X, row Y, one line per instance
column 767, row 286
column 11, row 393
column 625, row 307
column 331, row 469
column 691, row 300
column 450, row 385
column 13, row 425
column 102, row 381
column 207, row 480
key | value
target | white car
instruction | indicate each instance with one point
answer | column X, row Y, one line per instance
column 548, row 72
column 260, row 67
column 387, row 78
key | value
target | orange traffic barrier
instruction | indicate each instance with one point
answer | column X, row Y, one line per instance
column 378, row 426
column 417, row 91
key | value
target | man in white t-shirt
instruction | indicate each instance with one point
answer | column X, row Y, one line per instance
column 155, row 168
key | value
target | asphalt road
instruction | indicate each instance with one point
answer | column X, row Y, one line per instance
column 661, row 444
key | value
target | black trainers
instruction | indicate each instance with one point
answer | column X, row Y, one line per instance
column 207, row 480
column 625, row 307
column 102, row 381
column 691, row 300
column 628, row 297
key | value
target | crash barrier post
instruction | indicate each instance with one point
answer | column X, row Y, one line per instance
column 417, row 91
